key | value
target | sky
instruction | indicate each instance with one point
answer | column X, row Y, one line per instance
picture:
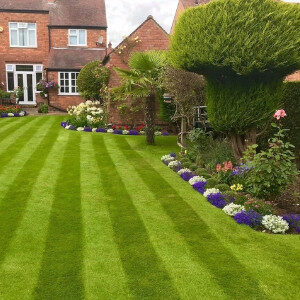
column 124, row 16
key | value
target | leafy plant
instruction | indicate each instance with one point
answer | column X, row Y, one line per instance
column 43, row 108
column 262, row 207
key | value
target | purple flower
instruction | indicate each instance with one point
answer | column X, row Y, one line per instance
column 118, row 131
column 217, row 200
column 173, row 154
column 164, row 133
column 250, row 218
column 63, row 124
column 240, row 170
column 133, row 132
column 186, row 176
column 101, row 130
column 293, row 220
column 4, row 115
column 200, row 187
column 16, row 114
column 87, row 129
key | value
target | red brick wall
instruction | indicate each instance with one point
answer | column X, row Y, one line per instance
column 179, row 10
column 61, row 101
column 152, row 37
column 60, row 39
column 294, row 77
column 37, row 55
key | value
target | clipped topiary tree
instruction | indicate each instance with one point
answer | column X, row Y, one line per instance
column 92, row 80
column 244, row 49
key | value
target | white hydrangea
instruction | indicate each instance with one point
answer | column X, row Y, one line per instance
column 196, row 179
column 185, row 170
column 211, row 191
column 157, row 133
column 275, row 224
column 167, row 158
column 110, row 130
column 232, row 209
column 125, row 132
column 10, row 114
column 174, row 163
column 94, row 129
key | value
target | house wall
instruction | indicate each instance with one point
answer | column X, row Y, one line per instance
column 60, row 38
column 152, row 37
column 180, row 9
column 9, row 54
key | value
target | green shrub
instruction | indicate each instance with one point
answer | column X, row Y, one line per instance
column 262, row 207
column 211, row 183
column 223, row 187
column 92, row 78
column 202, row 172
column 193, row 167
column 43, row 108
column 4, row 95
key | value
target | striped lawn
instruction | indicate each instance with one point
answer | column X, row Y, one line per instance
column 98, row 216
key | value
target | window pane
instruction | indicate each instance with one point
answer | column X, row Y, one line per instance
column 73, row 40
column 62, row 89
column 61, row 75
column 82, row 34
column 14, row 37
column 28, row 68
column 31, row 25
column 13, row 25
column 67, row 75
column 22, row 37
column 66, row 89
column 31, row 34
column 10, row 81
column 73, row 32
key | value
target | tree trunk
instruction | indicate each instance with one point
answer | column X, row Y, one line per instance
column 150, row 114
column 240, row 143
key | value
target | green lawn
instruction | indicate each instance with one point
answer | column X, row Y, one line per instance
column 97, row 216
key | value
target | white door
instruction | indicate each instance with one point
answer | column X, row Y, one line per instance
column 26, row 81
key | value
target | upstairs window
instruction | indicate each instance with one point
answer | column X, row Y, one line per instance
column 77, row 37
column 22, row 34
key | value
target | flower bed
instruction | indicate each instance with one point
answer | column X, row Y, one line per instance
column 247, row 214
column 11, row 111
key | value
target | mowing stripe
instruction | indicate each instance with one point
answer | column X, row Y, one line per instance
column 18, row 141
column 207, row 248
column 146, row 274
column 12, row 126
column 103, row 273
column 19, row 273
column 191, row 279
column 12, row 206
column 60, row 275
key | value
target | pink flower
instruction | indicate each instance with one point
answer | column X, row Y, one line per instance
column 219, row 168
column 279, row 114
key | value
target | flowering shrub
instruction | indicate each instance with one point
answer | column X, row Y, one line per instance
column 196, row 179
column 232, row 209
column 158, row 133
column 174, row 165
column 273, row 169
column 185, row 170
column 262, row 207
column 217, row 200
column 200, row 186
column 87, row 114
column 293, row 220
column 275, row 224
column 250, row 218
column 211, row 191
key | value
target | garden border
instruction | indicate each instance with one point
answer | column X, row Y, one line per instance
column 14, row 115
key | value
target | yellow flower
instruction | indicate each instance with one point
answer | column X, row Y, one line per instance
column 233, row 187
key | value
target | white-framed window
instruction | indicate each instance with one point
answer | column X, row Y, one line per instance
column 22, row 35
column 68, row 83
column 77, row 37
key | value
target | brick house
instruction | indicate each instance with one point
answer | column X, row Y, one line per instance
column 150, row 36
column 50, row 39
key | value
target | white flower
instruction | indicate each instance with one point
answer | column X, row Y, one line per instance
column 88, row 103
column 125, row 132
column 80, row 129
column 196, row 179
column 10, row 114
column 22, row 114
column 275, row 224
column 142, row 132
column 184, row 171
column 211, row 191
column 174, row 163
column 110, row 131
column 94, row 129
column 68, row 127
column 232, row 209
column 157, row 133
column 167, row 158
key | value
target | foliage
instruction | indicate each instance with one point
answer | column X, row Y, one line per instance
column 125, row 48
column 4, row 95
column 166, row 110
column 223, row 187
column 262, row 207
column 187, row 90
column 44, row 86
column 88, row 114
column 10, row 109
column 43, row 108
column 238, row 37
column 18, row 92
column 92, row 81
column 211, row 183
column 143, row 81
column 273, row 169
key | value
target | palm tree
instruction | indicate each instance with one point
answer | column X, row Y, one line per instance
column 143, row 81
